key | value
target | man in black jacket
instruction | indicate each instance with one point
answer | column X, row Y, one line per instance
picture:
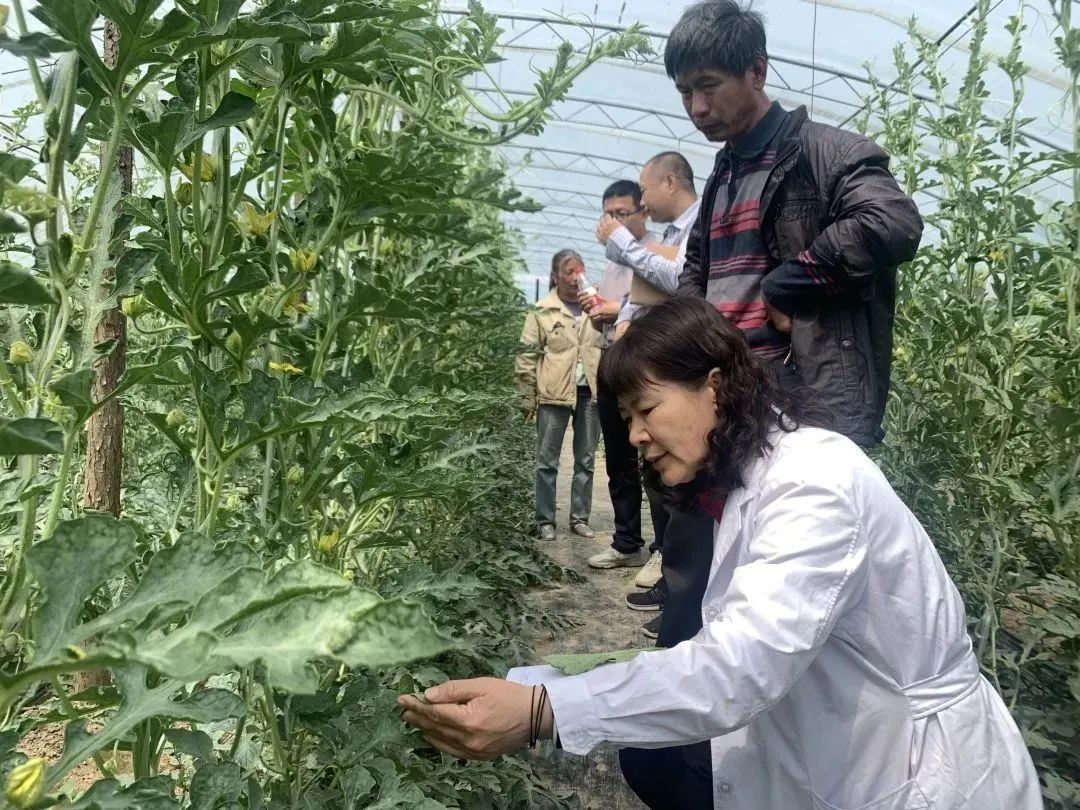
column 801, row 225
column 798, row 238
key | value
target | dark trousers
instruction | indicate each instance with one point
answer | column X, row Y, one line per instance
column 670, row 778
column 624, row 481
column 678, row 778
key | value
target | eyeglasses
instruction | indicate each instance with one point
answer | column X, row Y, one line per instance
column 622, row 215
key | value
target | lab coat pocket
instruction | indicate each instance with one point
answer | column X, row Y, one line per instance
column 906, row 797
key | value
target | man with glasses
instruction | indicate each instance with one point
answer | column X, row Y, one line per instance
column 622, row 203
column 670, row 199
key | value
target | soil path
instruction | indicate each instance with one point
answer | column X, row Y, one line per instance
column 602, row 623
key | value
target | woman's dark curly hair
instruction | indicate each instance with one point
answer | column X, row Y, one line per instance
column 681, row 341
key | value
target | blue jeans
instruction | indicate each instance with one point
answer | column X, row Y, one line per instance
column 551, row 422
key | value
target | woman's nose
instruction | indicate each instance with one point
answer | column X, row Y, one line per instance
column 638, row 434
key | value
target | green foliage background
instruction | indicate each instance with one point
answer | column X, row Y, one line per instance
column 324, row 502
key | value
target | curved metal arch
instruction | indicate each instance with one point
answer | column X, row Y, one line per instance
column 585, row 156
column 553, row 23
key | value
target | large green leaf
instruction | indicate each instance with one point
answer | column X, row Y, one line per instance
column 35, row 45
column 140, row 703
column 214, row 784
column 233, row 109
column 17, row 286
column 28, row 436
column 577, row 663
column 13, row 168
column 73, row 389
column 154, row 793
column 80, row 556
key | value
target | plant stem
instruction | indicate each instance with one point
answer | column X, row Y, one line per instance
column 31, row 63
column 57, row 501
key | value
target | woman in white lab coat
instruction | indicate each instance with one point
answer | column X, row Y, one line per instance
column 833, row 670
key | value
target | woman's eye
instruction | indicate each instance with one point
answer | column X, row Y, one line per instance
column 647, row 411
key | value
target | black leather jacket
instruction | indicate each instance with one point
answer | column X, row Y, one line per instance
column 830, row 191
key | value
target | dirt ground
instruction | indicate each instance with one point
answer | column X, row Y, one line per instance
column 603, row 623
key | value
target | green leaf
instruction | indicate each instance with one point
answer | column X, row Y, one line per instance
column 28, row 436
column 356, row 784
column 166, row 371
column 154, row 793
column 163, row 139
column 214, row 784
column 247, row 278
column 34, row 45
column 211, row 392
column 233, row 109
column 177, row 578
column 391, row 633
column 9, row 226
column 17, row 286
column 13, row 168
column 73, row 389
column 68, row 567
column 141, row 703
column 258, row 395
column 170, row 433
column 195, row 744
column 576, row 664
column 132, row 267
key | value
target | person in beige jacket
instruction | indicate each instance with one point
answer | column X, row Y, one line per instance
column 556, row 376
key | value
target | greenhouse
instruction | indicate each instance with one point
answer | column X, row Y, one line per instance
column 407, row 404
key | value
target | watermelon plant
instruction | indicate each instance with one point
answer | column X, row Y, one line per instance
column 297, row 316
column 984, row 422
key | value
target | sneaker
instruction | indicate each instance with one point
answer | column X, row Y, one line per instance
column 581, row 528
column 610, row 558
column 652, row 599
column 651, row 628
column 650, row 573
column 546, row 531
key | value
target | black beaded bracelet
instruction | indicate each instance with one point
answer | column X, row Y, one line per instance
column 536, row 716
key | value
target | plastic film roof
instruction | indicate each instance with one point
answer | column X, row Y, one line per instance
column 620, row 113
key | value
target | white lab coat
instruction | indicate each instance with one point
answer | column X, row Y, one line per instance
column 833, row 671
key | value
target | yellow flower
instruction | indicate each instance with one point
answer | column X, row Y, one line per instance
column 294, row 305
column 328, row 542
column 303, row 259
column 20, row 353
column 996, row 255
column 25, row 783
column 255, row 223
column 286, row 368
column 207, row 169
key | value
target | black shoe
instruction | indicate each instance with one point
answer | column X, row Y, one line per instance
column 651, row 628
column 652, row 599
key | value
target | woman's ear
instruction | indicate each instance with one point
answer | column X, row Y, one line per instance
column 714, row 378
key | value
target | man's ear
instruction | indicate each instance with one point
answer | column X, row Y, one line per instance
column 759, row 72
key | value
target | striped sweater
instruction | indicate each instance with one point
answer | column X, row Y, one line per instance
column 738, row 257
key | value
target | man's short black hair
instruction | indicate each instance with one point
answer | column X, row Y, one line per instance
column 716, row 34
column 675, row 164
column 623, row 188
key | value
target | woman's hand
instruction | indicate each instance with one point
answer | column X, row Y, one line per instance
column 481, row 718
